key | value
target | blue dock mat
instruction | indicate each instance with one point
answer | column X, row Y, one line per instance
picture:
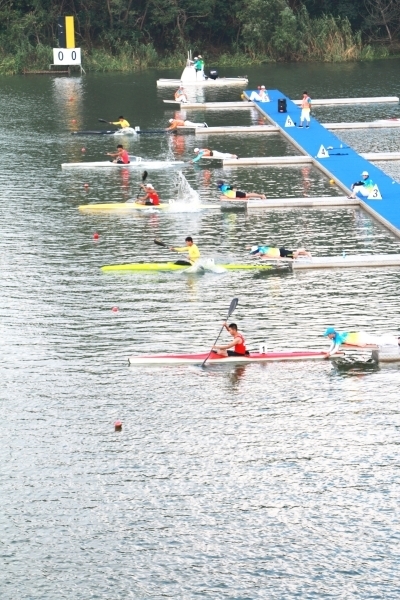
column 344, row 163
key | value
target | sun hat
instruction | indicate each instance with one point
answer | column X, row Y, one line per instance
column 254, row 250
column 329, row 331
column 148, row 185
column 196, row 150
column 263, row 87
column 365, row 173
column 170, row 121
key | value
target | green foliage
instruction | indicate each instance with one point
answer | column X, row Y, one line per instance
column 136, row 34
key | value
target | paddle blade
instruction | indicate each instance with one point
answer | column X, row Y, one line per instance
column 160, row 243
column 233, row 306
column 102, row 121
column 144, row 175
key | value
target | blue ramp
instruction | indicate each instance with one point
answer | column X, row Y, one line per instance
column 343, row 163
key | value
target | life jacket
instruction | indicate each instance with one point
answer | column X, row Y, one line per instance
column 305, row 102
column 154, row 198
column 240, row 348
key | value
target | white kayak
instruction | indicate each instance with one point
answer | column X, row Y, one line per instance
column 136, row 163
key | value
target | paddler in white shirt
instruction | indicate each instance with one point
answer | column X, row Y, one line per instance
column 265, row 252
column 123, row 123
column 192, row 251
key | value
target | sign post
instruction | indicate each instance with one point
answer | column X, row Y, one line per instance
column 67, row 55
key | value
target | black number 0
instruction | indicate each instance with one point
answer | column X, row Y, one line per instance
column 73, row 55
column 60, row 56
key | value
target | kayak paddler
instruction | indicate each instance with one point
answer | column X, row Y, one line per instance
column 233, row 193
column 192, row 251
column 174, row 123
column 121, row 122
column 357, row 338
column 151, row 198
column 121, row 155
column 238, row 343
column 265, row 252
column 204, row 152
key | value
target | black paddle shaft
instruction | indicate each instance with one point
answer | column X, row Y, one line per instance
column 232, row 307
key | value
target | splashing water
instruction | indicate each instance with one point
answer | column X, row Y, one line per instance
column 186, row 199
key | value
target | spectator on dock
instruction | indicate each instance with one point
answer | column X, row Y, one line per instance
column 305, row 109
column 174, row 123
column 180, row 95
column 363, row 187
column 260, row 96
column 200, row 152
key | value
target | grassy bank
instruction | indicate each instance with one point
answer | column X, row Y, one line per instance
column 132, row 58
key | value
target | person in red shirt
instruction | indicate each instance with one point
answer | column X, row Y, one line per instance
column 238, row 344
column 121, row 155
column 151, row 198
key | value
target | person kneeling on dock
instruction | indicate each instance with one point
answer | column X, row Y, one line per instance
column 151, row 198
column 192, row 251
column 238, row 344
column 204, row 152
column 363, row 187
column 121, row 156
column 265, row 252
column 359, row 339
column 233, row 193
column 174, row 123
column 180, row 95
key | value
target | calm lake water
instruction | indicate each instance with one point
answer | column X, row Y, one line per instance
column 269, row 481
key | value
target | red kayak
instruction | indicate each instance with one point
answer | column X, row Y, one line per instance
column 256, row 357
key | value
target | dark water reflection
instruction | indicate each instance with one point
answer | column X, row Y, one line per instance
column 264, row 481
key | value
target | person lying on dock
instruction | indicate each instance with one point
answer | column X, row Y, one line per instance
column 260, row 96
column 121, row 156
column 238, row 343
column 265, row 252
column 180, row 95
column 121, row 121
column 174, row 123
column 192, row 251
column 151, row 198
column 204, row 152
column 233, row 193
column 305, row 109
column 359, row 339
column 363, row 187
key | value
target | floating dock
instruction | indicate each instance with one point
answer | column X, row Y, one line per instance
column 250, row 104
column 344, row 167
column 389, row 123
column 293, row 160
column 232, row 129
column 315, row 202
column 347, row 261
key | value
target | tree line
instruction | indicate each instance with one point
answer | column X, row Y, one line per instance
column 150, row 31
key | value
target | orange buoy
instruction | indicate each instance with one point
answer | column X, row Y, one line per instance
column 73, row 121
column 118, row 425
column 96, row 236
column 83, row 150
column 85, row 185
column 115, row 309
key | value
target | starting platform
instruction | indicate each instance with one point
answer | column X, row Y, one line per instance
column 345, row 167
column 347, row 261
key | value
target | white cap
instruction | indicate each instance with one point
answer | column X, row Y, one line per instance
column 365, row 173
column 148, row 185
column 170, row 121
column 254, row 250
column 263, row 87
column 196, row 150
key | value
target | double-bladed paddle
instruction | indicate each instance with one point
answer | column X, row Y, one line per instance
column 232, row 307
column 144, row 177
column 104, row 121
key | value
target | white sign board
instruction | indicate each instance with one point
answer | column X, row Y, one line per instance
column 66, row 56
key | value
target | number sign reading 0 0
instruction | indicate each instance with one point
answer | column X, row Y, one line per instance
column 66, row 56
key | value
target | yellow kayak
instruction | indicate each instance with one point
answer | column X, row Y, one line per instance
column 170, row 266
column 128, row 206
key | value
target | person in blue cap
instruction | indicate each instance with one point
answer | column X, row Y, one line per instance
column 357, row 338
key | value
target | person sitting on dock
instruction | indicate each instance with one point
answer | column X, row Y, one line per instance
column 305, row 109
column 180, row 95
column 363, row 187
column 260, row 96
column 265, row 252
column 205, row 152
column 238, row 344
column 233, row 193
column 192, row 251
column 359, row 339
column 121, row 156
column 174, row 123
column 121, row 121
column 151, row 198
